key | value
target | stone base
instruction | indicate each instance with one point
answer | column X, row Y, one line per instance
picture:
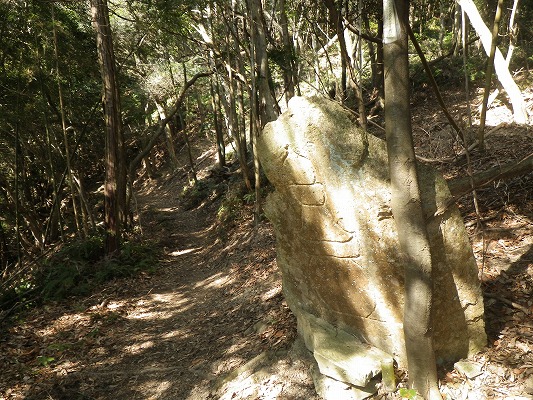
column 339, row 355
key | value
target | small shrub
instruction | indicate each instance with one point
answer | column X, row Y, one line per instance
column 230, row 208
column 194, row 195
column 80, row 266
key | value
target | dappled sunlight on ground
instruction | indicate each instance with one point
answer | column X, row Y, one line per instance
column 211, row 321
column 178, row 253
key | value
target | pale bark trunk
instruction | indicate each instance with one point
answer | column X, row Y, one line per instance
column 488, row 75
column 267, row 108
column 168, row 136
column 500, row 66
column 255, row 128
column 512, row 44
column 232, row 125
column 407, row 206
column 335, row 18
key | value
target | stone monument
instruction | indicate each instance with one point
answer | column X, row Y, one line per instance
column 338, row 249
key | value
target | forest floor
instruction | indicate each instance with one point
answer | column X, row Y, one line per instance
column 211, row 322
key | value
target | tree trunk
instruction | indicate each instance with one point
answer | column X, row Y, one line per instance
column 335, row 17
column 168, row 135
column 232, row 124
column 359, row 85
column 3, row 255
column 267, row 109
column 488, row 75
column 215, row 105
column 500, row 66
column 376, row 65
column 464, row 38
column 163, row 123
column 406, row 204
column 512, row 31
column 461, row 186
column 53, row 228
column 255, row 128
column 115, row 184
column 288, row 53
column 64, row 129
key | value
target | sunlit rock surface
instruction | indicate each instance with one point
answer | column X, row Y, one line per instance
column 337, row 244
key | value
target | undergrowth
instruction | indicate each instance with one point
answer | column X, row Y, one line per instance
column 76, row 269
column 79, row 267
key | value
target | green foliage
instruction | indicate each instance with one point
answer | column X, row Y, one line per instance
column 45, row 361
column 192, row 196
column 230, row 208
column 249, row 198
column 79, row 267
column 282, row 56
column 407, row 393
column 448, row 72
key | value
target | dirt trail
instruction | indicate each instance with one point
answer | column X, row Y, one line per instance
column 210, row 307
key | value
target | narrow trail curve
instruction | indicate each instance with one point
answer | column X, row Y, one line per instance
column 211, row 307
column 209, row 323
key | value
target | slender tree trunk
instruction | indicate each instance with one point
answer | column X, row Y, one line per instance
column 16, row 169
column 114, row 188
column 376, row 66
column 162, row 124
column 335, row 16
column 267, row 108
column 215, row 105
column 500, row 67
column 168, row 136
column 4, row 262
column 65, row 133
column 232, row 124
column 316, row 63
column 288, row 52
column 488, row 75
column 85, row 207
column 442, row 23
column 53, row 228
column 464, row 37
column 187, row 139
column 457, row 29
column 242, row 113
column 255, row 128
column 406, row 204
column 360, row 98
column 513, row 30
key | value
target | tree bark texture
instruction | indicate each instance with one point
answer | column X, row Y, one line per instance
column 406, row 204
column 335, row 18
column 488, row 74
column 115, row 182
column 288, row 54
column 267, row 108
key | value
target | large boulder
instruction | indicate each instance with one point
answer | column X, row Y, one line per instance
column 337, row 243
